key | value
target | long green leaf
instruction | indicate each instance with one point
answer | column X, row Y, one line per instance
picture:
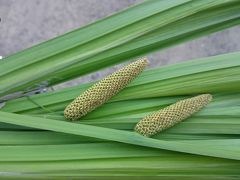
column 195, row 165
column 38, row 137
column 94, row 46
column 77, row 152
column 213, row 74
column 122, row 136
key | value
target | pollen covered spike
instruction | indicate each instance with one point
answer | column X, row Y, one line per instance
column 171, row 115
column 102, row 91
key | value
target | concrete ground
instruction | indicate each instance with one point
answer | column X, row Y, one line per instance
column 25, row 23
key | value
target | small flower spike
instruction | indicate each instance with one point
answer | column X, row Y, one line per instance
column 171, row 115
column 102, row 91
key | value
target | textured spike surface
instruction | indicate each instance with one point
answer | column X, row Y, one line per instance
column 171, row 115
column 102, row 91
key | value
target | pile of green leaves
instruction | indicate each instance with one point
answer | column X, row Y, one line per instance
column 37, row 142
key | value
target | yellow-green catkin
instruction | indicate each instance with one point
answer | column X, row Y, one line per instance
column 102, row 91
column 171, row 115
